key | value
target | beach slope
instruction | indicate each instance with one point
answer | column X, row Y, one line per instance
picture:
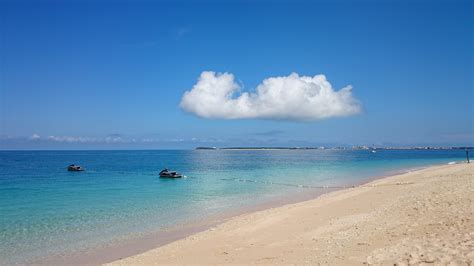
column 424, row 216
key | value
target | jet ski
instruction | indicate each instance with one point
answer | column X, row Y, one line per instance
column 165, row 173
column 75, row 168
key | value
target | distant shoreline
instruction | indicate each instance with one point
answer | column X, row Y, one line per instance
column 337, row 148
column 347, row 148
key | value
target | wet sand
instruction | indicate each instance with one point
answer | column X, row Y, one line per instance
column 423, row 216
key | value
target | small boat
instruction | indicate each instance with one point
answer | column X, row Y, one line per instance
column 373, row 149
column 170, row 174
column 75, row 168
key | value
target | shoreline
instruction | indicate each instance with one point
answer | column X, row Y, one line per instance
column 163, row 251
column 133, row 246
column 143, row 243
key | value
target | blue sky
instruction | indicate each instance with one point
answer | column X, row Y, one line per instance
column 113, row 75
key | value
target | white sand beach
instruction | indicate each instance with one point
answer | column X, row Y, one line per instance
column 425, row 216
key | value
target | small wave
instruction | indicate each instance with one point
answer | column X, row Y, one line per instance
column 451, row 163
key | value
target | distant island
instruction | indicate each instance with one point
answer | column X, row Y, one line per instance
column 338, row 148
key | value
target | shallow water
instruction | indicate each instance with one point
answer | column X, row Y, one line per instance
column 46, row 210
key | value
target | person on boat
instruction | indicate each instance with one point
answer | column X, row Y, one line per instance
column 167, row 173
column 74, row 167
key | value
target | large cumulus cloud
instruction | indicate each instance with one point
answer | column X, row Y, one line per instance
column 293, row 97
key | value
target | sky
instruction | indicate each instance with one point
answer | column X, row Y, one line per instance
column 176, row 75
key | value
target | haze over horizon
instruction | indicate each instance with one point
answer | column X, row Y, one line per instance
column 180, row 75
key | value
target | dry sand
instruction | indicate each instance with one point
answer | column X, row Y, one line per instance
column 426, row 216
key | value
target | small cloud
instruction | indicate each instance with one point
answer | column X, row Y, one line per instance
column 114, row 139
column 181, row 31
column 149, row 140
column 72, row 139
column 292, row 97
column 35, row 137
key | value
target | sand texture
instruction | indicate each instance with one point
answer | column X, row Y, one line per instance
column 426, row 216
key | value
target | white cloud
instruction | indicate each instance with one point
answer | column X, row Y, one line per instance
column 78, row 139
column 35, row 137
column 72, row 139
column 294, row 97
column 114, row 139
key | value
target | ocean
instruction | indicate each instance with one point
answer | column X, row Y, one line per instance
column 46, row 211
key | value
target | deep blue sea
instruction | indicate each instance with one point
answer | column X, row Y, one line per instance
column 46, row 210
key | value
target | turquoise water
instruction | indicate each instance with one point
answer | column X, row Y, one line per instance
column 46, row 210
